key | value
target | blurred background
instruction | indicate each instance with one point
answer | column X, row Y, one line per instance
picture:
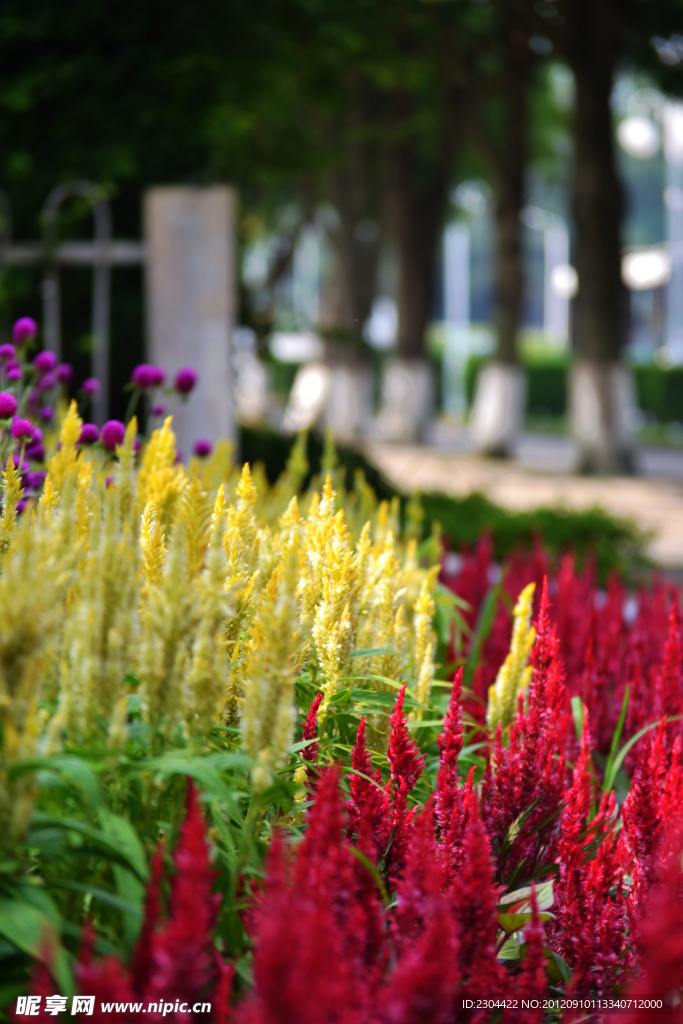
column 455, row 223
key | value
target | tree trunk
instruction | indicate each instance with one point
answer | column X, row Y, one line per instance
column 356, row 198
column 418, row 196
column 499, row 406
column 599, row 308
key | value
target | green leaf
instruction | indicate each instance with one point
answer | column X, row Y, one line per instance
column 372, row 652
column 519, row 901
column 577, row 714
column 616, row 737
column 518, row 824
column 513, row 922
column 128, row 885
column 105, row 843
column 619, row 759
column 74, row 769
column 558, row 968
column 34, row 933
column 510, row 949
column 103, row 895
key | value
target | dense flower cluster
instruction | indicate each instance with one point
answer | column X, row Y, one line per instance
column 391, row 839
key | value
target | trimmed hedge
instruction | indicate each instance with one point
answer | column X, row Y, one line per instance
column 659, row 391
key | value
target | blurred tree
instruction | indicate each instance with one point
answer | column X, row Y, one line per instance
column 594, row 37
column 499, row 124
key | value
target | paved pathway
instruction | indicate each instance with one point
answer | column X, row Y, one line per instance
column 540, row 475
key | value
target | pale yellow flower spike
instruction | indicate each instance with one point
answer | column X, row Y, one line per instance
column 268, row 713
column 11, row 493
column 47, row 503
column 161, row 479
column 424, row 640
column 194, row 512
column 515, row 672
column 68, row 454
column 153, row 547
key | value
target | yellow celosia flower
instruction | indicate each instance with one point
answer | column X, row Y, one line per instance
column 424, row 640
column 268, row 712
column 68, row 454
column 11, row 493
column 194, row 513
column 208, row 672
column 160, row 478
column 515, row 672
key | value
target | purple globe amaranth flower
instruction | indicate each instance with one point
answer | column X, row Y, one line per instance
column 202, row 448
column 179, row 455
column 157, row 410
column 90, row 386
column 89, row 434
column 8, row 352
column 35, row 452
column 45, row 362
column 46, row 413
column 109, row 482
column 158, row 376
column 185, row 380
column 37, row 434
column 142, row 377
column 112, row 433
column 21, row 505
column 48, row 381
column 65, row 372
column 35, row 479
column 21, row 428
column 15, row 373
column 8, row 405
column 24, row 330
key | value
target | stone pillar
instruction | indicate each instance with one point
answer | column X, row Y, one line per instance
column 191, row 298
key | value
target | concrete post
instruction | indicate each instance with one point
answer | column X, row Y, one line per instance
column 191, row 297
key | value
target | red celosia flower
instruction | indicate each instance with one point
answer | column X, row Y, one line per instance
column 143, row 958
column 182, row 964
column 405, row 760
column 368, row 799
column 524, row 781
column 309, row 730
column 449, row 793
column 474, row 902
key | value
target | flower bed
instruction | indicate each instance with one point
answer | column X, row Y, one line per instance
column 261, row 750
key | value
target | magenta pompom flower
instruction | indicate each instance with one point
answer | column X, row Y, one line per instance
column 203, row 448
column 48, row 381
column 24, row 330
column 158, row 376
column 7, row 352
column 21, row 428
column 113, row 433
column 8, row 405
column 65, row 372
column 45, row 362
column 89, row 434
column 185, row 380
column 158, row 410
column 35, row 452
column 15, row 373
column 90, row 386
column 142, row 377
column 46, row 413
